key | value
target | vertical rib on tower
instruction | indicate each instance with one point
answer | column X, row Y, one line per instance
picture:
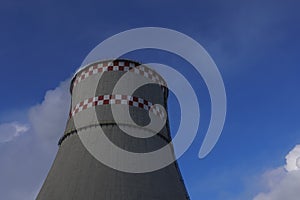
column 76, row 174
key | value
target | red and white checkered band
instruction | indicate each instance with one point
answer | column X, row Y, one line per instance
column 117, row 99
column 117, row 65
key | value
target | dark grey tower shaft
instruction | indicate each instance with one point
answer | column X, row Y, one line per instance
column 77, row 175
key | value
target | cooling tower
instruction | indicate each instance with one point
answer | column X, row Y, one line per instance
column 110, row 101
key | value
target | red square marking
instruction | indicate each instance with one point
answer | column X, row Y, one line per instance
column 145, row 102
column 135, row 99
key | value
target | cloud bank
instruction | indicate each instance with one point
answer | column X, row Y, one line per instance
column 27, row 149
column 48, row 119
column 283, row 182
column 293, row 160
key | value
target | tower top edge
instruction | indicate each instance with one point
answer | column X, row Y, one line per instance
column 82, row 69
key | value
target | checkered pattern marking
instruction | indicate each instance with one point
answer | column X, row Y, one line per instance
column 117, row 99
column 117, row 65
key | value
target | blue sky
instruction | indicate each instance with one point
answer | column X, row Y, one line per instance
column 255, row 45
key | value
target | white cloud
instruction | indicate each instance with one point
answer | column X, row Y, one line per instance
column 293, row 159
column 26, row 158
column 10, row 131
column 48, row 119
column 283, row 182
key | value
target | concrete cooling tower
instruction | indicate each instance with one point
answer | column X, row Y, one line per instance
column 117, row 120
